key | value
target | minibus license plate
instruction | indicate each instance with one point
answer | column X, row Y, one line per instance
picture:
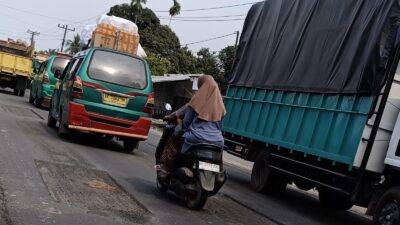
column 114, row 100
column 209, row 166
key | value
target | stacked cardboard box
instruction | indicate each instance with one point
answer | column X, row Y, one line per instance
column 109, row 36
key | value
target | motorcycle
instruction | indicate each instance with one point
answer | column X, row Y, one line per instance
column 197, row 174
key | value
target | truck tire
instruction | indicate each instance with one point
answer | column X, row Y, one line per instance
column 388, row 208
column 334, row 200
column 264, row 180
column 20, row 86
column 21, row 93
column 130, row 145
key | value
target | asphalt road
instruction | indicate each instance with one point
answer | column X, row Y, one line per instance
column 84, row 179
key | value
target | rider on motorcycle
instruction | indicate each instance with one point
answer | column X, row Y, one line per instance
column 200, row 121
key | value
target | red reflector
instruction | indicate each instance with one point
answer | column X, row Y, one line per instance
column 77, row 88
column 150, row 104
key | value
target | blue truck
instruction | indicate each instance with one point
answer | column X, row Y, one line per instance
column 314, row 100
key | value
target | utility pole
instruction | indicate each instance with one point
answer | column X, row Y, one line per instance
column 236, row 45
column 33, row 34
column 237, row 39
column 65, row 27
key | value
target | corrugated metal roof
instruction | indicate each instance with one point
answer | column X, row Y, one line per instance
column 173, row 77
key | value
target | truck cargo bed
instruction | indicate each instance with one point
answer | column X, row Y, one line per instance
column 324, row 125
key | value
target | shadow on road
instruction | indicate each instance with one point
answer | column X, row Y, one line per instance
column 87, row 139
column 6, row 91
column 295, row 200
column 149, row 188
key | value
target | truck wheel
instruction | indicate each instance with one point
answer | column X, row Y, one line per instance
column 130, row 145
column 21, row 93
column 264, row 180
column 388, row 208
column 334, row 200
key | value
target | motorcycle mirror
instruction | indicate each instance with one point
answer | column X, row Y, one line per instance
column 168, row 107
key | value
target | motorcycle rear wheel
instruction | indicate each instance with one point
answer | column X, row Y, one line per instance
column 160, row 186
column 197, row 202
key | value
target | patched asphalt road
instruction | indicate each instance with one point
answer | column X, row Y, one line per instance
column 87, row 180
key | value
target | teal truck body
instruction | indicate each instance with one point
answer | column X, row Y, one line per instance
column 314, row 101
column 323, row 125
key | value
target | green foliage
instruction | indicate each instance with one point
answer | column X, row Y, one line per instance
column 226, row 56
column 49, row 51
column 137, row 7
column 158, row 65
column 175, row 9
column 158, row 39
column 207, row 62
column 73, row 46
column 165, row 54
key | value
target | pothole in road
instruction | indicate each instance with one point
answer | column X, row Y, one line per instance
column 91, row 189
column 20, row 111
column 233, row 213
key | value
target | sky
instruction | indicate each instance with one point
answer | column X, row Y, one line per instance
column 18, row 16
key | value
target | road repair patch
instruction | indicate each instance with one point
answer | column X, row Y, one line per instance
column 91, row 189
column 234, row 213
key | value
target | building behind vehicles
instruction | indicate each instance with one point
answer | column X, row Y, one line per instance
column 43, row 82
column 314, row 100
column 106, row 89
column 15, row 65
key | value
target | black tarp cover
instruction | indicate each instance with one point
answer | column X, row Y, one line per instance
column 322, row 46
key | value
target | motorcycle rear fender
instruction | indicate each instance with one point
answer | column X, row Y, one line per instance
column 207, row 180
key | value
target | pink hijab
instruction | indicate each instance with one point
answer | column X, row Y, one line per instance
column 207, row 102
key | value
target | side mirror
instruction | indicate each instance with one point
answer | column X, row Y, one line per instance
column 58, row 74
column 168, row 107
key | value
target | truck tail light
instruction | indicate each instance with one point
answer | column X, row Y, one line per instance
column 77, row 88
column 148, row 108
column 45, row 79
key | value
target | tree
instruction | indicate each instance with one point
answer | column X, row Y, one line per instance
column 73, row 46
column 158, row 39
column 207, row 62
column 137, row 6
column 158, row 65
column 174, row 10
column 225, row 58
column 49, row 51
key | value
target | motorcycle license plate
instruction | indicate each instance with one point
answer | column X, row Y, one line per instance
column 208, row 166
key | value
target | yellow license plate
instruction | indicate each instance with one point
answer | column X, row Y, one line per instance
column 115, row 100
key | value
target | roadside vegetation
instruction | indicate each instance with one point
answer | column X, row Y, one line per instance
column 166, row 54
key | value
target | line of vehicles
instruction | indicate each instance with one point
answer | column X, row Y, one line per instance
column 329, row 121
